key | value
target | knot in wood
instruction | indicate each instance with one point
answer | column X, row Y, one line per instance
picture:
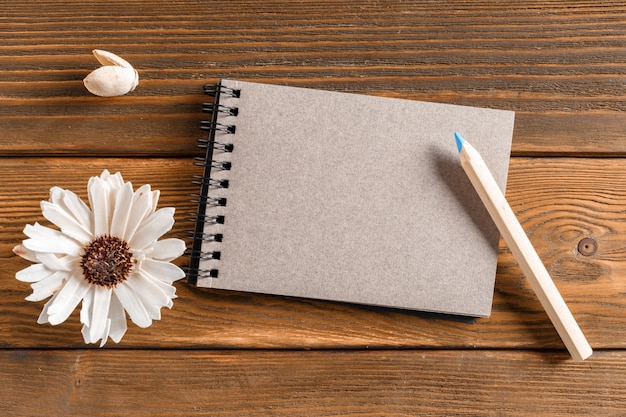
column 587, row 246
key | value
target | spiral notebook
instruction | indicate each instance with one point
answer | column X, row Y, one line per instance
column 346, row 197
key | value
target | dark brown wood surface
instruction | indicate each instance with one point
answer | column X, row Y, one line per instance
column 560, row 65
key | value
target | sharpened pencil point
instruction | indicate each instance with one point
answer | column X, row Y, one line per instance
column 459, row 141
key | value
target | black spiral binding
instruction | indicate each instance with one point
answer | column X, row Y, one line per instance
column 205, row 182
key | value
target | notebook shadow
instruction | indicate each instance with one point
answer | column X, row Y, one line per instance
column 461, row 189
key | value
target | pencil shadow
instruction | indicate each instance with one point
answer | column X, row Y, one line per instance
column 450, row 170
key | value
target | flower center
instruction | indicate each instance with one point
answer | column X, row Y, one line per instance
column 107, row 261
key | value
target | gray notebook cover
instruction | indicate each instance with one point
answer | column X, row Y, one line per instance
column 354, row 198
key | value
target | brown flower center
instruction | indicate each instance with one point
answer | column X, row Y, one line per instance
column 107, row 261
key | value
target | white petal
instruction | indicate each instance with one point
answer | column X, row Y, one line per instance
column 153, row 311
column 62, row 245
column 66, row 222
column 68, row 298
column 149, row 292
column 38, row 231
column 73, row 205
column 45, row 239
column 155, row 226
column 34, row 273
column 141, row 206
column 85, row 333
column 47, row 287
column 105, row 333
column 149, row 295
column 98, row 200
column 55, row 263
column 88, row 338
column 56, row 194
column 118, row 319
column 168, row 289
column 112, row 181
column 168, row 249
column 86, row 310
column 155, row 200
column 43, row 317
column 153, row 293
column 123, row 201
column 79, row 210
column 22, row 251
column 104, row 174
column 133, row 305
column 100, row 311
column 163, row 271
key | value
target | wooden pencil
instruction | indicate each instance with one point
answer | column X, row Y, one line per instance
column 524, row 252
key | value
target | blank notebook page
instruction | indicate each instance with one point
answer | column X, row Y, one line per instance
column 355, row 198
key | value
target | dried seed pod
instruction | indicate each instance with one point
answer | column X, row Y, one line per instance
column 115, row 78
column 108, row 58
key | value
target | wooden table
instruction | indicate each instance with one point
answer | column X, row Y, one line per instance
column 560, row 65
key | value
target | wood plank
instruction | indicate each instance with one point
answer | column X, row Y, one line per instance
column 557, row 65
column 313, row 383
column 92, row 126
column 554, row 133
column 560, row 201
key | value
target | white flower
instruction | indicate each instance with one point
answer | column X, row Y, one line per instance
column 108, row 257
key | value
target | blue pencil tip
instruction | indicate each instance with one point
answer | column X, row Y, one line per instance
column 459, row 141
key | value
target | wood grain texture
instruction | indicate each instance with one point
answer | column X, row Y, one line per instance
column 560, row 201
column 298, row 383
column 558, row 64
